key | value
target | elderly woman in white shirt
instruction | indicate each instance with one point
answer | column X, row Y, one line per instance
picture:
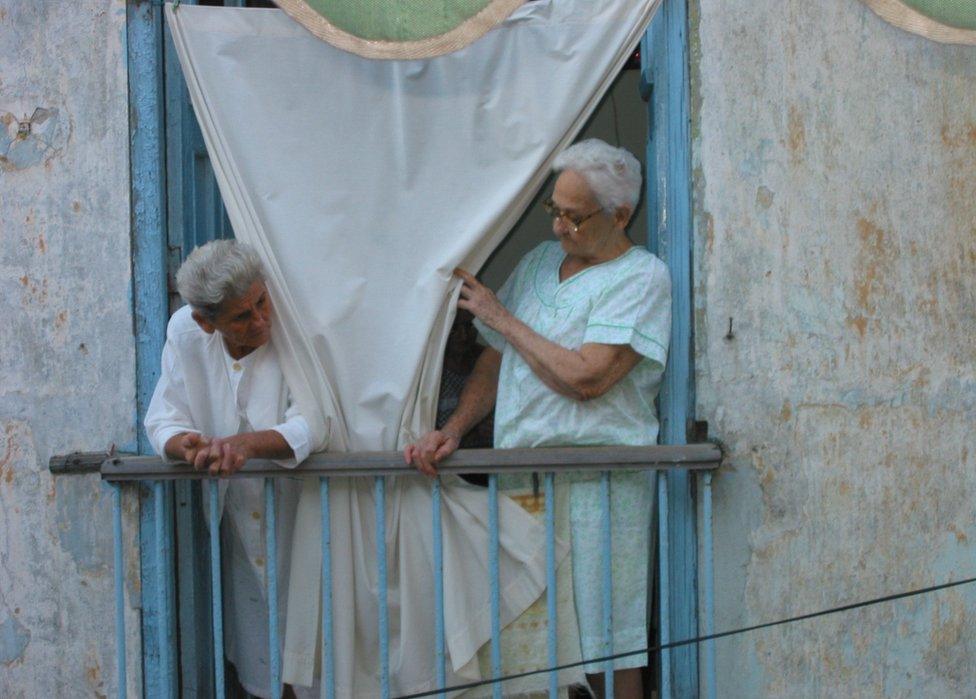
column 221, row 400
column 578, row 338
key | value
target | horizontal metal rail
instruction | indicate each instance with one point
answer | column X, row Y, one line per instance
column 599, row 461
column 390, row 463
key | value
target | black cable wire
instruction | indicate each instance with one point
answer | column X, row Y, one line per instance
column 696, row 640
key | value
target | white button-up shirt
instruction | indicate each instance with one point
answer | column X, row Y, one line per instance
column 203, row 389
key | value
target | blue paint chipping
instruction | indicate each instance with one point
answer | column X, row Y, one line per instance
column 666, row 71
column 14, row 638
column 144, row 33
column 147, row 177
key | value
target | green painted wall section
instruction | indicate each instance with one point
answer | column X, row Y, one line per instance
column 397, row 20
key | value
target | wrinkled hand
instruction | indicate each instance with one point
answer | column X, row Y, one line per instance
column 192, row 444
column 480, row 300
column 430, row 450
column 226, row 456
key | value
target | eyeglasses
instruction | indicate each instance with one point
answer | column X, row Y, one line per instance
column 572, row 221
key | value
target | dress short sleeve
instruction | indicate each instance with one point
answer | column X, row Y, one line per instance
column 635, row 309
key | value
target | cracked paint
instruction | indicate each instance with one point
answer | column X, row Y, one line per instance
column 14, row 638
column 31, row 140
column 67, row 375
column 835, row 190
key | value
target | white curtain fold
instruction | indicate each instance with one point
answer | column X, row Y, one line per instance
column 363, row 184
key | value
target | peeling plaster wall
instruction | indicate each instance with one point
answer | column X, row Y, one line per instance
column 835, row 187
column 67, row 375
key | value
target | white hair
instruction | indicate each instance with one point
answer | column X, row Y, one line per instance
column 613, row 174
column 219, row 271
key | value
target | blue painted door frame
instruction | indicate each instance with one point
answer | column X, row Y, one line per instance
column 175, row 206
column 150, row 312
column 665, row 68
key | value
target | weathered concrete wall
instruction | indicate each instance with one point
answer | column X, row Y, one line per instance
column 67, row 378
column 836, row 191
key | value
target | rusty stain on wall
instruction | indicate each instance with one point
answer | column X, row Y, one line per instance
column 796, row 134
column 67, row 378
column 846, row 399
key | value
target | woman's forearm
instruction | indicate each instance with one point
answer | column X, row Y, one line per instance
column 580, row 374
column 563, row 370
column 478, row 395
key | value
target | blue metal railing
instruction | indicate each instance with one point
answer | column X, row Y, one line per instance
column 699, row 457
column 217, row 611
column 328, row 657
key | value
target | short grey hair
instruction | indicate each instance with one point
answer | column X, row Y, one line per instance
column 614, row 174
column 219, row 271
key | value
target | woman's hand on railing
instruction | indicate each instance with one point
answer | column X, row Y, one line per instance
column 430, row 450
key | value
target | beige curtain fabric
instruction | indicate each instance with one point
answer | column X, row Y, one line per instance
column 363, row 184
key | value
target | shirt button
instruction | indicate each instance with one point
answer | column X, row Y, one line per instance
column 237, row 367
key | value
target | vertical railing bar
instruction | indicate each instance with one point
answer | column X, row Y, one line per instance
column 707, row 572
column 119, row 589
column 384, row 631
column 551, row 639
column 607, row 536
column 496, row 631
column 438, row 586
column 162, row 588
column 271, row 569
column 664, row 612
column 217, row 610
column 328, row 658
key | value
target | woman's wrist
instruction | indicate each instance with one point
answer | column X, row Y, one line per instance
column 452, row 430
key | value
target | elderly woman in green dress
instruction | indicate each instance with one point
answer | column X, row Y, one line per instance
column 577, row 342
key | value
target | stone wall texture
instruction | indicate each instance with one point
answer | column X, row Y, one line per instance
column 835, row 190
column 67, row 374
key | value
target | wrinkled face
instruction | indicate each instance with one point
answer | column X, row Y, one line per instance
column 245, row 322
column 574, row 198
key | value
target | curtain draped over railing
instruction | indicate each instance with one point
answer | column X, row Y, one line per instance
column 363, row 184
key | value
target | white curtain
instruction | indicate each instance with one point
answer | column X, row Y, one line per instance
column 363, row 184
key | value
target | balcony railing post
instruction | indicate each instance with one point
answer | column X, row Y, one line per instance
column 271, row 544
column 163, row 591
column 708, row 585
column 551, row 636
column 381, row 582
column 328, row 657
column 607, row 535
column 496, row 628
column 438, row 585
column 217, row 610
column 665, row 582
column 119, row 589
